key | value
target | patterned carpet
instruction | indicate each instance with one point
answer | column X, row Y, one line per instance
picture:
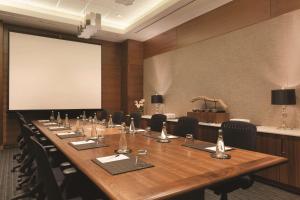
column 258, row 191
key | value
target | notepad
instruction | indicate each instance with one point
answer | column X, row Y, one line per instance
column 66, row 133
column 57, row 128
column 43, row 120
column 213, row 148
column 50, row 123
column 83, row 142
column 112, row 158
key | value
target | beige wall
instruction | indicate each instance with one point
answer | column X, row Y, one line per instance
column 240, row 67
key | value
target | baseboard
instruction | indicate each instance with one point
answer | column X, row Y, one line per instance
column 282, row 186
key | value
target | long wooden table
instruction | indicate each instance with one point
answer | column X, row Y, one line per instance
column 177, row 170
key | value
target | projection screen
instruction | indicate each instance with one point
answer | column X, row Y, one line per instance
column 47, row 73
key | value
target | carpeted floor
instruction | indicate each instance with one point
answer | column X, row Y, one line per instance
column 258, row 191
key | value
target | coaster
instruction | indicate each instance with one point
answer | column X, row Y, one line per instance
column 123, row 166
column 225, row 156
column 123, row 152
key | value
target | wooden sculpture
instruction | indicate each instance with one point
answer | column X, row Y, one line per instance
column 214, row 100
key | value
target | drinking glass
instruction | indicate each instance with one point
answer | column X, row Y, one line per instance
column 189, row 139
column 140, row 153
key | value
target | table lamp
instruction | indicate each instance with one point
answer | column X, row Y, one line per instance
column 283, row 97
column 156, row 100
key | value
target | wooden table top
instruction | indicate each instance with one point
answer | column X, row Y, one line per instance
column 177, row 169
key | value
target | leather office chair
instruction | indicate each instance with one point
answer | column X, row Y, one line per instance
column 137, row 119
column 156, row 122
column 240, row 135
column 102, row 114
column 186, row 125
column 118, row 117
column 46, row 177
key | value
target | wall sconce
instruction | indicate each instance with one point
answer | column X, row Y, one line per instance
column 283, row 97
column 157, row 100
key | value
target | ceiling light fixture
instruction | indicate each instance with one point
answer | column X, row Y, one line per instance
column 125, row 2
column 90, row 26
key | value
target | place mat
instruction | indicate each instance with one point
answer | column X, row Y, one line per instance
column 204, row 145
column 69, row 135
column 156, row 135
column 85, row 146
column 123, row 166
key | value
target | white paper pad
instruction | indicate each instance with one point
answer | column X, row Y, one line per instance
column 43, row 120
column 50, row 123
column 112, row 158
column 56, row 127
column 66, row 133
column 213, row 148
column 83, row 142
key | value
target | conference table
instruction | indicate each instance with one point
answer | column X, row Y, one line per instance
column 178, row 172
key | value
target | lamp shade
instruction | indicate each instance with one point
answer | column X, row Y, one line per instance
column 156, row 98
column 284, row 97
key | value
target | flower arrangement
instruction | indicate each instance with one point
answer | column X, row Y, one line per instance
column 139, row 105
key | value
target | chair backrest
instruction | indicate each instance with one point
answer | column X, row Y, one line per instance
column 102, row 114
column 156, row 122
column 239, row 134
column 137, row 118
column 118, row 117
column 45, row 173
column 186, row 125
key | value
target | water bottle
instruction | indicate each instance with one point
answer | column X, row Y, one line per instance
column 83, row 116
column 132, row 127
column 95, row 118
column 94, row 130
column 52, row 118
column 58, row 119
column 77, row 125
column 163, row 134
column 220, row 147
column 67, row 122
column 110, row 123
column 122, row 141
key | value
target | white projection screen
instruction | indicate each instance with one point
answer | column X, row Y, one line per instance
column 47, row 73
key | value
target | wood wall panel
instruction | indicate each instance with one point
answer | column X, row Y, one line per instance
column 279, row 7
column 132, row 74
column 111, row 77
column 1, row 83
column 161, row 43
column 232, row 16
column 229, row 17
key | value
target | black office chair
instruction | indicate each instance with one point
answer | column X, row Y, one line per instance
column 118, row 117
column 136, row 118
column 102, row 114
column 240, row 135
column 156, row 122
column 186, row 125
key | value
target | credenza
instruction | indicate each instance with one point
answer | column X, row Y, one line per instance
column 270, row 140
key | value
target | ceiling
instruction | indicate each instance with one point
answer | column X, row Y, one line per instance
column 141, row 20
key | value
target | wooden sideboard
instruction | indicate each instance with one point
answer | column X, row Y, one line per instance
column 286, row 176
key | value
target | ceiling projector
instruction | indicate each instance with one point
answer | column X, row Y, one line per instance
column 90, row 25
